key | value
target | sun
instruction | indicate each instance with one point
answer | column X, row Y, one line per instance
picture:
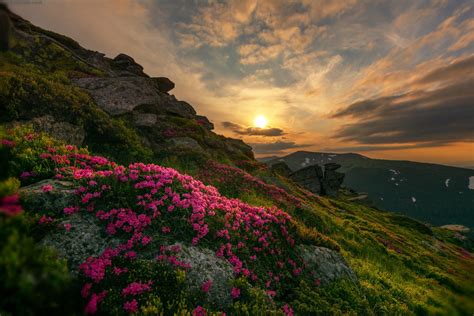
column 260, row 121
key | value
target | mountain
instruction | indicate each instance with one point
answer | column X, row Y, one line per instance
column 116, row 199
column 432, row 193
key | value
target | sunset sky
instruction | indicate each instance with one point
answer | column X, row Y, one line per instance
column 387, row 79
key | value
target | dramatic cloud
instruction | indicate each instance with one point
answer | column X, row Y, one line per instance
column 252, row 131
column 438, row 116
column 402, row 66
column 276, row 147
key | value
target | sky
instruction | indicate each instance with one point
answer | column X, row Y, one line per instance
column 387, row 79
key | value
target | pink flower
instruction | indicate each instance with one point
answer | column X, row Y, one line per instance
column 91, row 307
column 146, row 240
column 271, row 293
column 199, row 311
column 47, row 188
column 235, row 292
column 166, row 230
column 67, row 226
column 45, row 220
column 206, row 286
column 86, row 290
column 119, row 271
column 10, row 205
column 136, row 288
column 131, row 306
column 288, row 310
column 8, row 143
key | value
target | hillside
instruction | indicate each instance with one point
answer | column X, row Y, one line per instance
column 118, row 199
column 432, row 193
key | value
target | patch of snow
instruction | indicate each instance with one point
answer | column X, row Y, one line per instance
column 394, row 171
column 307, row 160
column 381, row 198
column 446, row 183
column 413, row 199
column 471, row 183
column 392, row 178
column 332, row 155
column 396, row 184
column 329, row 158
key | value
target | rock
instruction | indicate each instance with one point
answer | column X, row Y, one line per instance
column 204, row 122
column 325, row 264
column 186, row 144
column 122, row 95
column 84, row 239
column 126, row 66
column 309, row 177
column 332, row 179
column 67, row 132
column 281, row 168
column 237, row 146
column 164, row 84
column 145, row 119
column 206, row 266
column 5, row 29
column 61, row 196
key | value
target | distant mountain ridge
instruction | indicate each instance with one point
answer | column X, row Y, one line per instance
column 433, row 193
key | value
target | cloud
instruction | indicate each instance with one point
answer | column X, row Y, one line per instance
column 440, row 115
column 276, row 147
column 252, row 131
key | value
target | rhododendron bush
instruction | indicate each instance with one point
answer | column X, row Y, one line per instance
column 145, row 209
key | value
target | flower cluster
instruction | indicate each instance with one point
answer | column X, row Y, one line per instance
column 10, row 205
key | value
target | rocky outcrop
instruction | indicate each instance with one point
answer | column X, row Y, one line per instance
column 125, row 65
column 325, row 264
column 205, row 266
column 332, row 179
column 5, row 26
column 164, row 84
column 281, row 168
column 60, row 195
column 310, row 178
column 67, row 132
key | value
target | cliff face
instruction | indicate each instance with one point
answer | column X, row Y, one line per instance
column 90, row 99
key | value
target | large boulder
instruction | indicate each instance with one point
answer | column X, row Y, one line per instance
column 164, row 84
column 67, row 132
column 281, row 168
column 122, row 95
column 204, row 122
column 5, row 28
column 205, row 266
column 184, row 144
column 332, row 179
column 125, row 65
column 326, row 265
column 60, row 195
column 309, row 177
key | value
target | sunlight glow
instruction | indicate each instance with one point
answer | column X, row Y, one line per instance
column 260, row 121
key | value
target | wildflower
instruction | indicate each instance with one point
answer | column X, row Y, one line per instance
column 67, row 226
column 235, row 292
column 10, row 205
column 146, row 240
column 45, row 220
column 119, row 271
column 206, row 286
column 288, row 310
column 136, row 288
column 86, row 290
column 166, row 230
column 8, row 143
column 131, row 306
column 47, row 188
column 199, row 311
column 91, row 307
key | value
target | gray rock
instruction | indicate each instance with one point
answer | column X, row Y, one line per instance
column 332, row 179
column 5, row 28
column 69, row 133
column 145, row 119
column 187, row 144
column 206, row 266
column 325, row 264
column 84, row 239
column 309, row 177
column 125, row 65
column 122, row 95
column 281, row 168
column 164, row 84
column 61, row 196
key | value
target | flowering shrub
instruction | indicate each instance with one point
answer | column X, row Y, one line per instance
column 146, row 206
